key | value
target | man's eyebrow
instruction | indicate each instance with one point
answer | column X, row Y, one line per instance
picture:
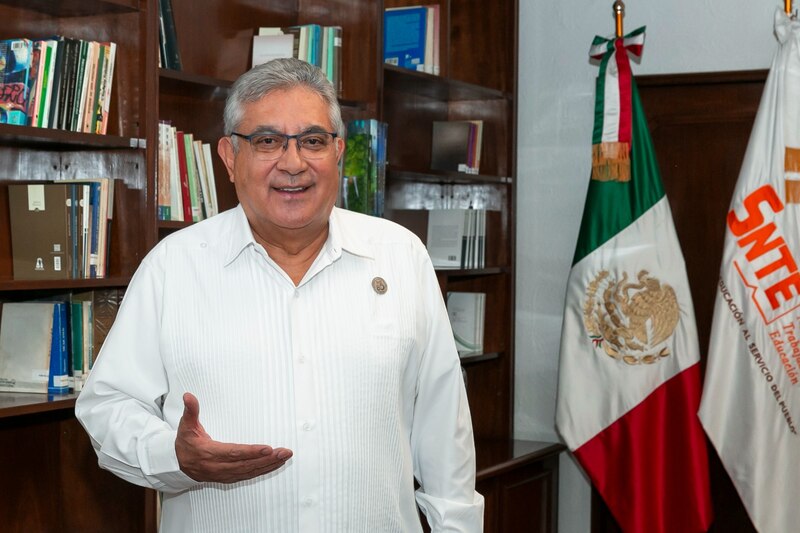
column 268, row 128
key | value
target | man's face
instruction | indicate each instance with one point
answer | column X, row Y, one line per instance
column 290, row 192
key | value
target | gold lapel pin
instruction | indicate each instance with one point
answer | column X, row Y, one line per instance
column 379, row 285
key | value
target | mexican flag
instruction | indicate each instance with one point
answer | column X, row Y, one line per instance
column 751, row 402
column 629, row 380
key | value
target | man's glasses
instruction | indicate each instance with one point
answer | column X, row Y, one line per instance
column 310, row 145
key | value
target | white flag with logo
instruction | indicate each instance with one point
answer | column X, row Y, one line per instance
column 750, row 407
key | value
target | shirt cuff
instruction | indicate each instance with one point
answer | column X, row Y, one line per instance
column 448, row 516
column 163, row 466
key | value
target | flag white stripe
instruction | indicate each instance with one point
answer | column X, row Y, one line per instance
column 586, row 372
column 611, row 102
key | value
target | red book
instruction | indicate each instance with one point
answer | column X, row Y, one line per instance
column 187, row 202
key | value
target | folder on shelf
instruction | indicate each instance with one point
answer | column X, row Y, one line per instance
column 41, row 245
column 33, row 348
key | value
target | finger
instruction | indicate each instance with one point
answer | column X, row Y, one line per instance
column 252, row 468
column 233, row 453
column 191, row 410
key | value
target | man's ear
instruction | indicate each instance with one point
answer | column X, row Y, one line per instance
column 340, row 145
column 228, row 155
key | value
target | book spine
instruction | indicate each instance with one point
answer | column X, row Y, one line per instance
column 58, row 381
column 76, row 337
column 15, row 65
column 185, row 196
column 172, row 51
column 105, row 102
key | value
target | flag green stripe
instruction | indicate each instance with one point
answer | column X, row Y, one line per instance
column 612, row 206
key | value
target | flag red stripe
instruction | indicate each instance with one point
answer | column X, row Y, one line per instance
column 650, row 466
column 625, row 107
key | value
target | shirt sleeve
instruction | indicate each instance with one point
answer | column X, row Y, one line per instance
column 442, row 442
column 120, row 405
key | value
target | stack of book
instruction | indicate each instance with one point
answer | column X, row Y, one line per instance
column 319, row 45
column 187, row 189
column 411, row 38
column 61, row 229
column 456, row 238
column 50, row 346
column 363, row 172
column 456, row 145
column 57, row 83
column 466, row 312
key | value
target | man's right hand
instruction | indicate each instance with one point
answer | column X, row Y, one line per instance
column 204, row 459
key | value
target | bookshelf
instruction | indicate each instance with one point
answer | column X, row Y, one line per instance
column 477, row 81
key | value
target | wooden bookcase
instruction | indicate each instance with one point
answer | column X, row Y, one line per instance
column 53, row 481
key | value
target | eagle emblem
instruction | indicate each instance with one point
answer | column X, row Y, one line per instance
column 631, row 320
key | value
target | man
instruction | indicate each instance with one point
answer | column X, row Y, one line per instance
column 287, row 366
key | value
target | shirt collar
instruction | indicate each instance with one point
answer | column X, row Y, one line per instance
column 341, row 236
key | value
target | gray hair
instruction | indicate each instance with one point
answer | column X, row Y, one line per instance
column 279, row 74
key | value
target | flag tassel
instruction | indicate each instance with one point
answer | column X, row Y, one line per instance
column 611, row 161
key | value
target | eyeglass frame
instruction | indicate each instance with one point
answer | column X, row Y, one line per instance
column 286, row 138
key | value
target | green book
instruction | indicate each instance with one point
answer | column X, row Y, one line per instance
column 195, row 194
column 76, row 331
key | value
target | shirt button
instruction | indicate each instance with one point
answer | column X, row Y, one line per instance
column 301, row 359
column 308, row 426
column 296, row 294
column 308, row 502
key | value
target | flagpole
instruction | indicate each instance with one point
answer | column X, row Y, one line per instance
column 619, row 14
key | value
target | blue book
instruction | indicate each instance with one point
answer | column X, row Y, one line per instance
column 58, row 381
column 404, row 36
column 94, row 231
column 15, row 65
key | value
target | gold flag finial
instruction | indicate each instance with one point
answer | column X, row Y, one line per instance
column 787, row 4
column 619, row 14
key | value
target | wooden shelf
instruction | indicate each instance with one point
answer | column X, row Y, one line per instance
column 75, row 8
column 52, row 139
column 436, row 87
column 497, row 456
column 472, row 272
column 478, row 358
column 20, row 403
column 443, row 177
column 62, row 284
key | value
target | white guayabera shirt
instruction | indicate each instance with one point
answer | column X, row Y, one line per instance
column 365, row 388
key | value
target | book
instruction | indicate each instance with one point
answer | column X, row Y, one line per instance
column 466, row 312
column 15, row 66
column 40, row 230
column 163, row 173
column 46, row 88
column 450, row 150
column 58, row 377
column 33, row 347
column 195, row 192
column 436, row 39
column 177, row 210
column 446, row 237
column 404, row 32
column 104, row 101
column 34, row 82
column 212, row 180
column 168, row 36
column 76, row 327
column 186, row 198
column 430, row 27
column 269, row 47
column 363, row 181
